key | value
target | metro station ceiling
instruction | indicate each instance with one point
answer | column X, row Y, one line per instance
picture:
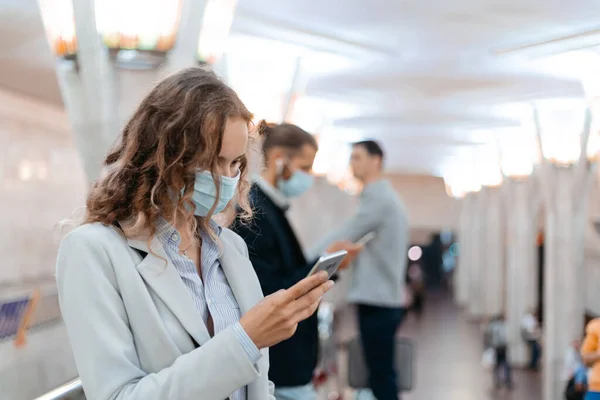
column 423, row 77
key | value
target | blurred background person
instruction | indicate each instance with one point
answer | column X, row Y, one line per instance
column 575, row 372
column 498, row 340
column 276, row 254
column 416, row 282
column 531, row 332
column 573, row 360
column 590, row 352
column 378, row 286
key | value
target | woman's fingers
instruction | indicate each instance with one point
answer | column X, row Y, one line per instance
column 304, row 286
column 277, row 317
column 308, row 311
column 311, row 297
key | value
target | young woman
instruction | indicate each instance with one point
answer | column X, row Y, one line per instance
column 158, row 300
column 276, row 253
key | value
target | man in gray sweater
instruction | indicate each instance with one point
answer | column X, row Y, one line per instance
column 378, row 280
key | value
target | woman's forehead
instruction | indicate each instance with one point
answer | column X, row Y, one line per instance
column 235, row 138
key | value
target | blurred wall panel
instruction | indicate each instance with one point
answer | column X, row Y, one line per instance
column 41, row 183
column 429, row 207
column 323, row 208
column 314, row 215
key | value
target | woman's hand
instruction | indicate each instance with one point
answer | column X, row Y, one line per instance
column 352, row 248
column 276, row 318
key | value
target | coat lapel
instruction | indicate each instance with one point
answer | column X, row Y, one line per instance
column 247, row 291
column 241, row 276
column 163, row 278
column 161, row 275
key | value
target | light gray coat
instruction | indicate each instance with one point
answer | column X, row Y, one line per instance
column 132, row 323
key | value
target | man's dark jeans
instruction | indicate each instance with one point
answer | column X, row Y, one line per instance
column 502, row 363
column 378, row 326
column 535, row 351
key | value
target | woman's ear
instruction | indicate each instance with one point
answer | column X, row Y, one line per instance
column 274, row 158
column 279, row 166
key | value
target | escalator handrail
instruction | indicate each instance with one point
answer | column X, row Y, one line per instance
column 60, row 392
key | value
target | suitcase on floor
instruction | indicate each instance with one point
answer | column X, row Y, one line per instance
column 357, row 369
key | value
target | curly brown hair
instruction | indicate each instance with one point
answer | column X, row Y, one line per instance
column 176, row 131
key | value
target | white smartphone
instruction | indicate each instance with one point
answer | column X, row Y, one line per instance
column 329, row 263
column 366, row 239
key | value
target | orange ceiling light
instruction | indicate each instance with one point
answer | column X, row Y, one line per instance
column 122, row 24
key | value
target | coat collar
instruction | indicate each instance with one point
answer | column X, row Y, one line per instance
column 278, row 198
column 160, row 274
column 239, row 273
column 162, row 277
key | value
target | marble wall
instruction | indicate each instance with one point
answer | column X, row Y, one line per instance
column 319, row 211
column 41, row 183
column 325, row 207
column 428, row 207
column 313, row 216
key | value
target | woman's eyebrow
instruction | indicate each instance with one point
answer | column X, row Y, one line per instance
column 238, row 158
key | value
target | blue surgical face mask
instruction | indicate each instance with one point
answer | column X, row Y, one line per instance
column 297, row 185
column 205, row 193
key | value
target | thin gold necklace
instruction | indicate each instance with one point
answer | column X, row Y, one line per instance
column 184, row 251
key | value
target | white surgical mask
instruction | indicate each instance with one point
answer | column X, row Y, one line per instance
column 296, row 185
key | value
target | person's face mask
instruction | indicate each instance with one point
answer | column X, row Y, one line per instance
column 296, row 185
column 205, row 193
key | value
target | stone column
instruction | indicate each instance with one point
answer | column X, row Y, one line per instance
column 477, row 256
column 566, row 192
column 296, row 86
column 492, row 260
column 133, row 85
column 87, row 136
column 185, row 52
column 98, row 97
column 87, row 87
column 461, row 275
column 566, row 189
column 521, row 267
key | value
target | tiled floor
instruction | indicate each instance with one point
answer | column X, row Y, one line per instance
column 448, row 352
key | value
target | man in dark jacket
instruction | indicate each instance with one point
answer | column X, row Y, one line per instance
column 277, row 255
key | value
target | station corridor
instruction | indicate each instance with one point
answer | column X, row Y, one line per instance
column 405, row 145
column 448, row 349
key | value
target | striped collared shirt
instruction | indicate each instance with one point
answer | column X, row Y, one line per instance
column 212, row 293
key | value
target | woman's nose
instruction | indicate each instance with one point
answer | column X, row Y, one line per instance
column 229, row 172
